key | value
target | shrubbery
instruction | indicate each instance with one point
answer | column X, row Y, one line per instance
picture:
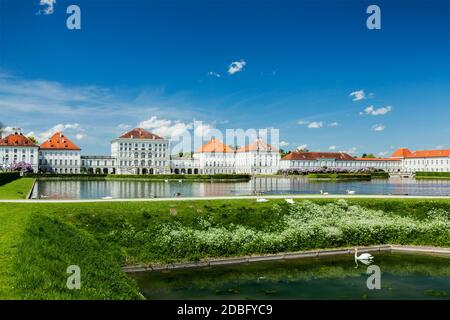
column 144, row 176
column 6, row 177
column 304, row 225
column 326, row 170
column 432, row 174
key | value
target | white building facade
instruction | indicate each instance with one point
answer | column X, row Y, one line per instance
column 424, row 160
column 141, row 152
column 257, row 158
column 59, row 155
column 16, row 148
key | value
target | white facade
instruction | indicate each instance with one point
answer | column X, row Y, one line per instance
column 257, row 162
column 182, row 165
column 60, row 161
column 429, row 164
column 17, row 148
column 333, row 163
column 140, row 152
column 15, row 154
column 216, row 162
column 98, row 164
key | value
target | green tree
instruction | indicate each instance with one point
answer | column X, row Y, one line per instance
column 368, row 155
column 284, row 152
column 33, row 139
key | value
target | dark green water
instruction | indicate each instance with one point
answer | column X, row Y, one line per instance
column 403, row 276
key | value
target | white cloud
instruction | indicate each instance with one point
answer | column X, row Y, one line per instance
column 203, row 130
column 124, row 126
column 284, row 144
column 70, row 127
column 302, row 122
column 378, row 127
column 315, row 125
column 439, row 147
column 383, row 153
column 165, row 128
column 214, row 74
column 236, row 66
column 370, row 110
column 358, row 95
column 333, row 124
column 302, row 147
column 333, row 147
column 48, row 6
column 352, row 151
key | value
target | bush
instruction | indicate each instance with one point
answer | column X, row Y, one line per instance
column 432, row 174
column 6, row 177
column 304, row 225
column 359, row 176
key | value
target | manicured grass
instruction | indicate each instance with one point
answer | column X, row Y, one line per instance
column 432, row 175
column 39, row 240
column 17, row 189
column 13, row 221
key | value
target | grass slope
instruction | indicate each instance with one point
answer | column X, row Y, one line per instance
column 39, row 241
column 17, row 189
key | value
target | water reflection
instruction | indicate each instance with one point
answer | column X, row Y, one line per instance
column 85, row 189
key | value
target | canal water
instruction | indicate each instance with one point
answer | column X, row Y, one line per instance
column 94, row 189
column 402, row 276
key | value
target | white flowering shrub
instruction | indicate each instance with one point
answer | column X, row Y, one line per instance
column 304, row 225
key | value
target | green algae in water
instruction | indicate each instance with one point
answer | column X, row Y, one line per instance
column 403, row 276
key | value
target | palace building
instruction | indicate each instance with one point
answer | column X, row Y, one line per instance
column 16, row 148
column 59, row 155
column 142, row 152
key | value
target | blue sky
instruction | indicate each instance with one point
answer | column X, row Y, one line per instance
column 157, row 64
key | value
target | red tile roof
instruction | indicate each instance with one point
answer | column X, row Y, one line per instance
column 59, row 142
column 258, row 145
column 139, row 133
column 16, row 140
column 401, row 153
column 377, row 159
column 430, row 153
column 317, row 155
column 214, row 145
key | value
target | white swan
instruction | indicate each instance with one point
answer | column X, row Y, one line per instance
column 261, row 200
column 180, row 180
column 351, row 191
column 166, row 180
column 290, row 201
column 323, row 193
column 363, row 256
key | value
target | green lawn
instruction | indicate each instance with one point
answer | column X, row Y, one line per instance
column 39, row 240
column 17, row 189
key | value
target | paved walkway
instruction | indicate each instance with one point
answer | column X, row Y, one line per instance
column 306, row 196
